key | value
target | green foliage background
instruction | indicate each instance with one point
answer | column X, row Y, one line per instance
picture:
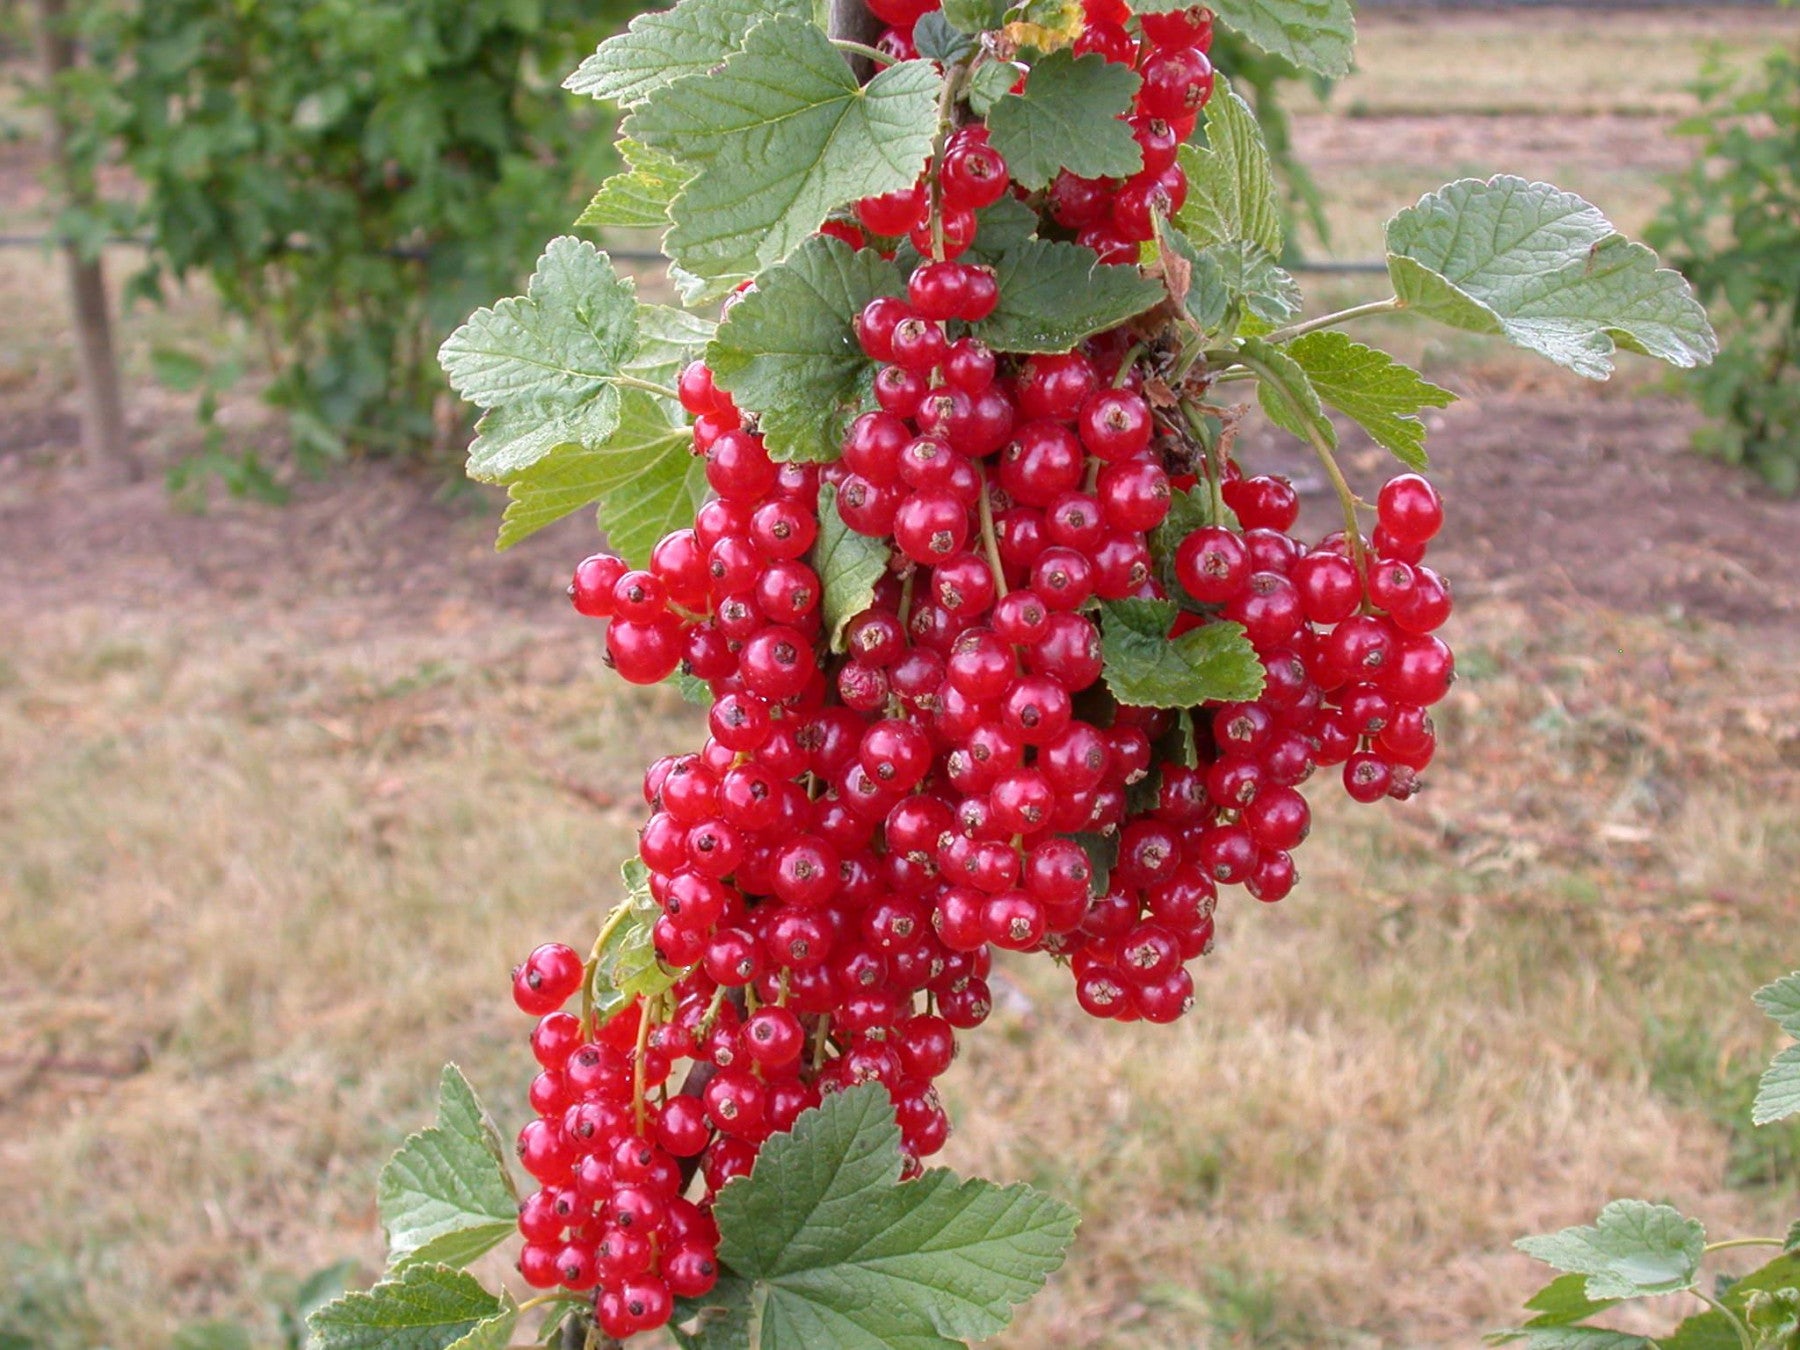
column 352, row 176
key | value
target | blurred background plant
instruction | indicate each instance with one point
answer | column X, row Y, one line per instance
column 1732, row 224
column 350, row 175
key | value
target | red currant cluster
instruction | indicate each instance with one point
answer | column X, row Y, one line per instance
column 861, row 828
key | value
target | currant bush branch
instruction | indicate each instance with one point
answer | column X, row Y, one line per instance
column 1391, row 305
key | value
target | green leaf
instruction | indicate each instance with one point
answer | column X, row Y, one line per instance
column 1710, row 1330
column 788, row 350
column 667, row 44
column 1054, row 295
column 445, row 1197
column 1781, row 1001
column 1778, row 1094
column 1068, row 118
column 1254, row 280
column 1545, row 270
column 720, row 1320
column 1316, row 35
column 644, row 474
column 425, row 1307
column 667, row 340
column 1145, row 668
column 1574, row 1338
column 1286, row 394
column 626, row 965
column 1232, row 195
column 972, row 16
column 637, row 197
column 542, row 364
column 1564, row 1301
column 779, row 136
column 493, row 1334
column 1102, row 854
column 936, row 39
column 1792, row 1241
column 849, row 564
column 990, row 82
column 1774, row 1318
column 845, row 1256
column 1634, row 1249
column 1189, row 510
column 1380, row 394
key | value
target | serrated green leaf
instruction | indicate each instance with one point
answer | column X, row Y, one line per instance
column 625, row 965
column 664, row 45
column 1316, row 35
column 1781, row 1001
column 542, row 363
column 1195, row 283
column 425, row 1307
column 1564, row 1301
column 1778, row 1094
column 445, row 1197
column 644, row 475
column 1232, row 196
column 1380, row 394
column 637, row 197
column 1146, row 668
column 1286, row 394
column 1792, row 1242
column 1068, row 118
column 936, row 39
column 1053, row 295
column 1573, row 1338
column 849, row 565
column 1545, row 270
column 1264, row 289
column 667, row 340
column 493, row 1334
column 1634, row 1249
column 720, row 1320
column 990, row 82
column 788, row 349
column 844, row 1255
column 779, row 136
column 1189, row 510
column 1774, row 1318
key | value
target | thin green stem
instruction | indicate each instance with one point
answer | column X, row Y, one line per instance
column 1215, row 475
column 1737, row 1323
column 1131, row 359
column 946, row 116
column 1346, row 498
column 872, row 53
column 648, row 386
column 541, row 1299
column 1733, row 1243
column 645, row 1021
column 1374, row 307
column 990, row 541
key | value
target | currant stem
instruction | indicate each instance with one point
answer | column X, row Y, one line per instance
column 1737, row 1323
column 637, row 1065
column 1215, row 471
column 946, row 115
column 1132, row 357
column 1374, row 307
column 990, row 542
column 1731, row 1244
column 648, row 386
column 863, row 50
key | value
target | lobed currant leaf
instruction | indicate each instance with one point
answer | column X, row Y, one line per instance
column 1286, row 392
column 1778, row 1093
column 844, row 1254
column 788, row 350
column 1792, row 1242
column 1144, row 667
column 1547, row 271
column 1232, row 195
column 779, row 136
column 639, row 196
column 1378, row 393
column 1632, row 1250
column 937, row 39
column 542, row 364
column 445, row 1197
column 1054, row 295
column 644, row 475
column 664, row 45
column 990, row 82
column 1068, row 118
column 423, row 1307
column 1316, row 35
column 848, row 565
column 1781, row 1001
column 973, row 16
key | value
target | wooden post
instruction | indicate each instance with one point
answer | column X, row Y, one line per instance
column 103, row 433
